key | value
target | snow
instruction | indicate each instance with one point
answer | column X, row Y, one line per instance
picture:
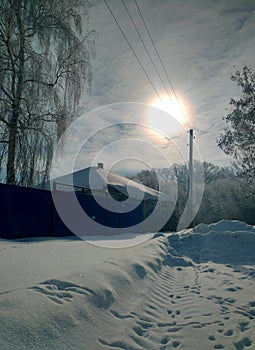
column 99, row 179
column 188, row 290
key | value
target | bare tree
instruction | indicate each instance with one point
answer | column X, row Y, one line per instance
column 45, row 68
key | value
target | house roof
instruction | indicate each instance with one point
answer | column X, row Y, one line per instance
column 97, row 178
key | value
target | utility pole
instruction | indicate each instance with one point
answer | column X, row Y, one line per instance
column 191, row 167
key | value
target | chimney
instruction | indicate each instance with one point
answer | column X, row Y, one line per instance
column 100, row 165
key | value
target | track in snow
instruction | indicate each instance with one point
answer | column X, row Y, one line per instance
column 200, row 306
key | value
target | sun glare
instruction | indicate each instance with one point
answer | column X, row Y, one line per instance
column 170, row 106
column 175, row 118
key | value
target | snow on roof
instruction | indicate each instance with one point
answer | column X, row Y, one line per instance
column 97, row 178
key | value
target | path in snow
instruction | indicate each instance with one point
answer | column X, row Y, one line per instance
column 190, row 290
column 193, row 307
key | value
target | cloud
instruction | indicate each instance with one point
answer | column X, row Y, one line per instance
column 199, row 41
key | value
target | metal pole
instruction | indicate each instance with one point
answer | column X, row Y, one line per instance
column 191, row 166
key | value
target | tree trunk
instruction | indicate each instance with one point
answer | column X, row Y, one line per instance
column 10, row 176
column 17, row 92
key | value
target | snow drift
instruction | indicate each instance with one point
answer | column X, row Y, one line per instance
column 188, row 290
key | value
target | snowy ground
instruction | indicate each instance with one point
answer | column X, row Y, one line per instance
column 191, row 290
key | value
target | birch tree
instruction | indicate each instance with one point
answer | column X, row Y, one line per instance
column 46, row 48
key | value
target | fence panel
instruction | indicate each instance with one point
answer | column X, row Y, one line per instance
column 29, row 212
column 24, row 212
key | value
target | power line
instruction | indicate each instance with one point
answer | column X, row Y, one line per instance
column 145, row 47
column 148, row 53
column 130, row 46
column 158, row 55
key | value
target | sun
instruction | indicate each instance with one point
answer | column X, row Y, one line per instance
column 174, row 119
column 172, row 106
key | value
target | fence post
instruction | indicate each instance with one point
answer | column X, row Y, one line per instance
column 52, row 208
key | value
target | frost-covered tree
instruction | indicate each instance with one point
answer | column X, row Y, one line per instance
column 45, row 67
column 238, row 138
column 213, row 172
column 224, row 195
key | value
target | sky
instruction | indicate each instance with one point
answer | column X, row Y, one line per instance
column 201, row 43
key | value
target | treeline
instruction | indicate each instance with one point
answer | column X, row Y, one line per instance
column 226, row 196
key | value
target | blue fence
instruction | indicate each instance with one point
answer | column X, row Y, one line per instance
column 29, row 212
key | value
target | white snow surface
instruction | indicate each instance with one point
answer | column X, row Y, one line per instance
column 192, row 290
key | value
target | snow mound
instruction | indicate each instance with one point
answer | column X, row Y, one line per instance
column 224, row 225
column 231, row 242
column 188, row 290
